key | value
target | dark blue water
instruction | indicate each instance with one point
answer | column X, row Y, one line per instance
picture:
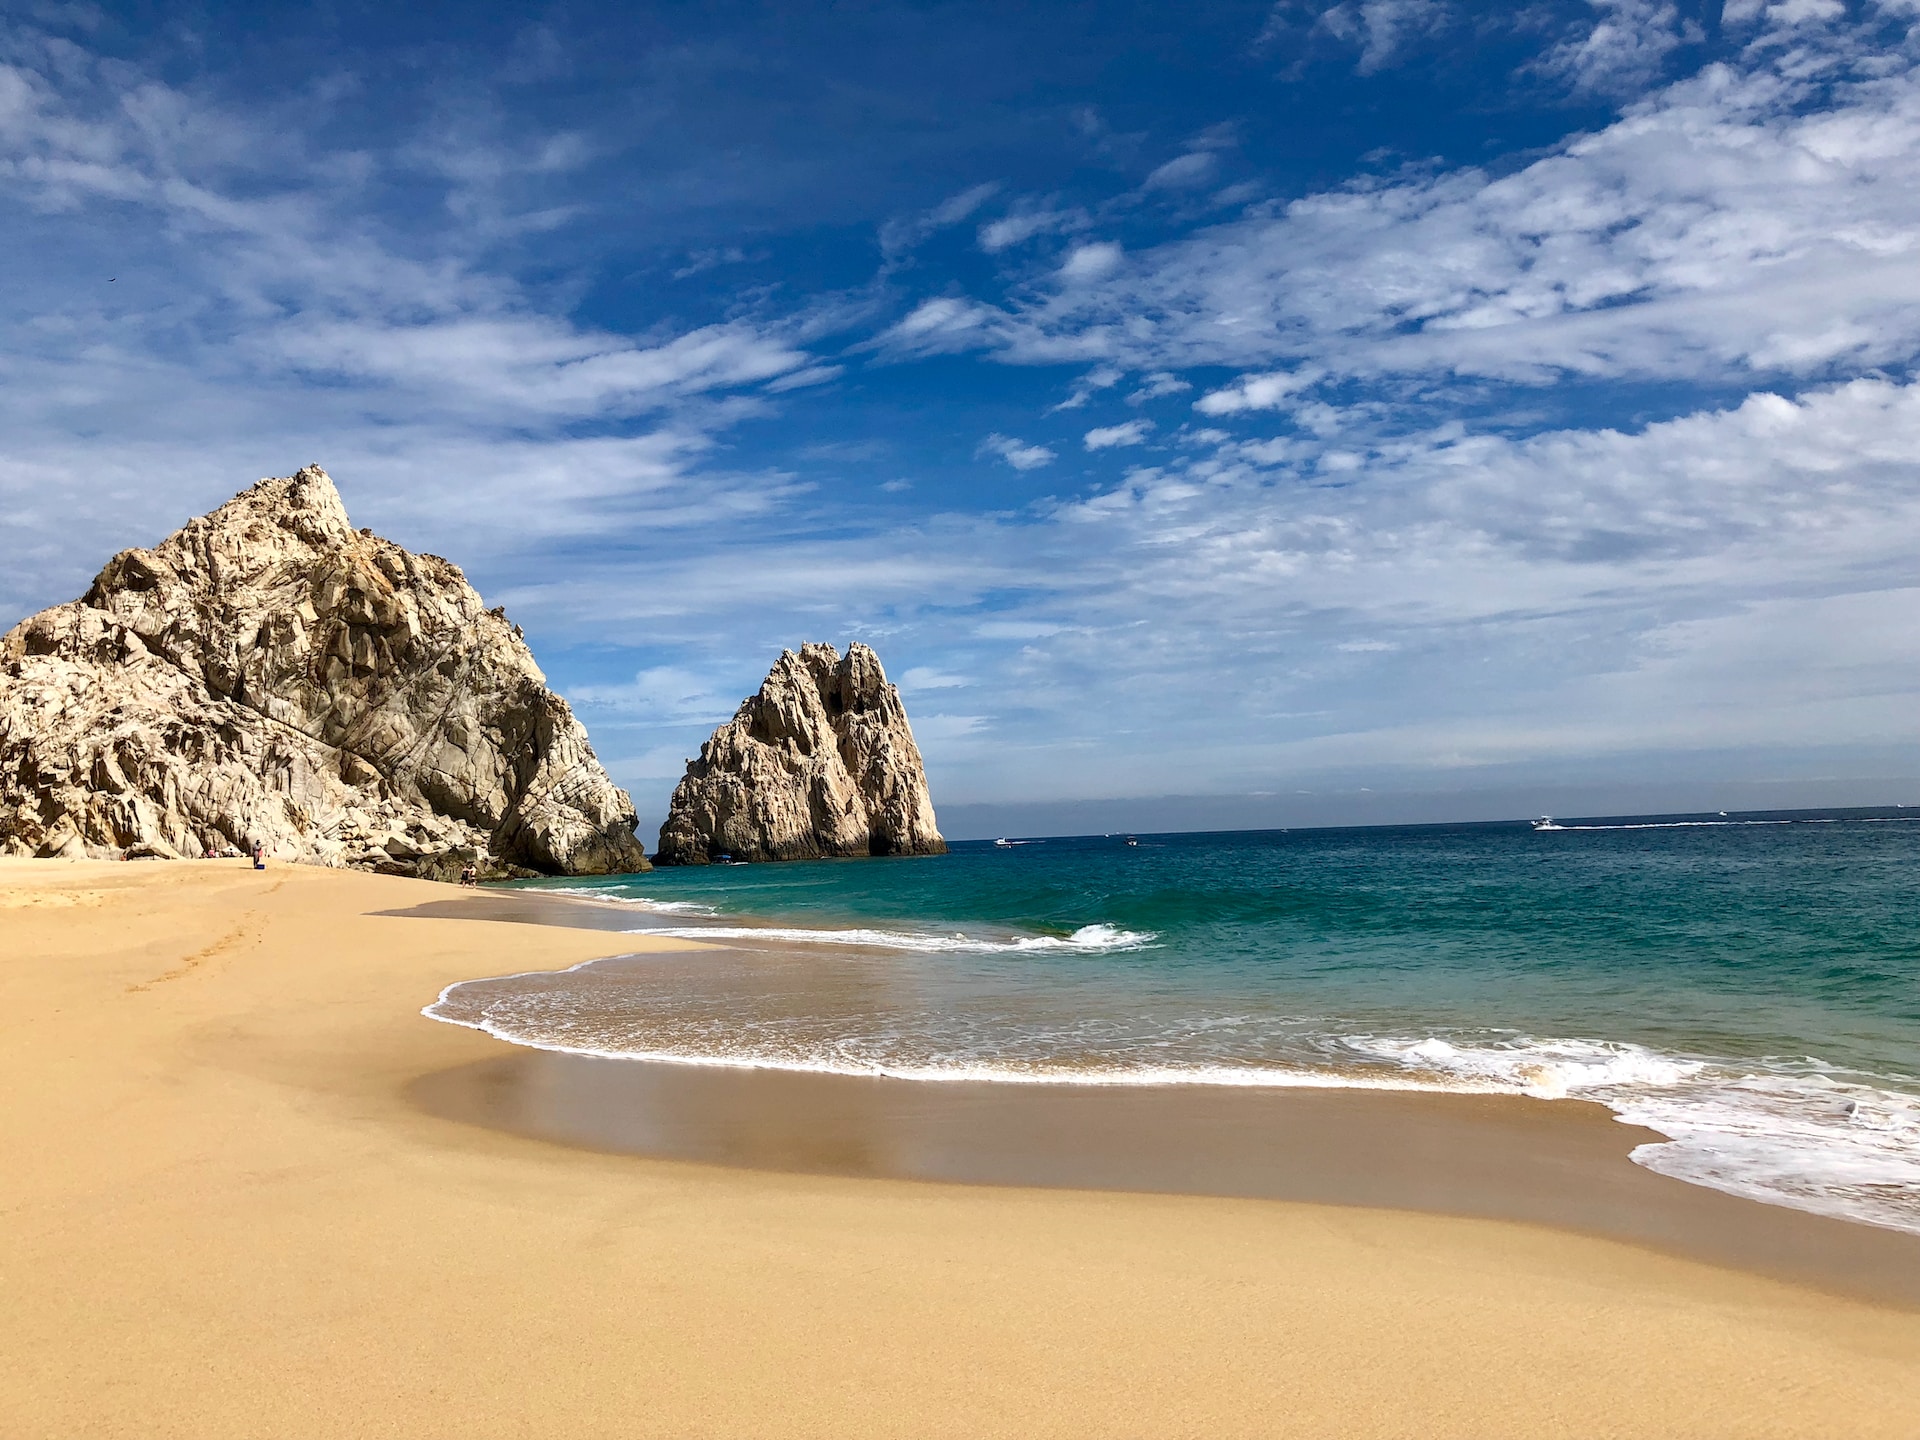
column 1749, row 987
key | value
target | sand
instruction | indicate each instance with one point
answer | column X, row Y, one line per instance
column 222, row 1214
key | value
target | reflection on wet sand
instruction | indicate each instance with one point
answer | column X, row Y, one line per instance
column 1558, row 1163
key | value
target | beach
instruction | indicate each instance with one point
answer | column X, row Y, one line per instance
column 230, row 1209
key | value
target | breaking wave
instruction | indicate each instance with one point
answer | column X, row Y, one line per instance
column 1090, row 939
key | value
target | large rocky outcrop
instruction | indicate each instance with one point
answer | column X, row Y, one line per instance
column 270, row 674
column 820, row 762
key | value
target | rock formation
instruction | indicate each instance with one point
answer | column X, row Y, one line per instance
column 820, row 762
column 269, row 674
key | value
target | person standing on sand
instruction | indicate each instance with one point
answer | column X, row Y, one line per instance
column 259, row 856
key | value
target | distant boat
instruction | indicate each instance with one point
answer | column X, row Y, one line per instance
column 1132, row 840
column 1004, row 843
column 1545, row 822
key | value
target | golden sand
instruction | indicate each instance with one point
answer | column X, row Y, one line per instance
column 220, row 1216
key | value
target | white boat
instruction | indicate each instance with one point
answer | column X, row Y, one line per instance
column 1545, row 822
column 1004, row 843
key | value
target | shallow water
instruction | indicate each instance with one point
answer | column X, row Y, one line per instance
column 1751, row 990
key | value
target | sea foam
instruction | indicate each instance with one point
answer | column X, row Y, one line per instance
column 1092, row 939
column 1791, row 1133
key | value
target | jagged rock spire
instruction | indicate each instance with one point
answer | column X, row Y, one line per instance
column 270, row 673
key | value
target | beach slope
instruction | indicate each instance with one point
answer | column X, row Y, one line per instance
column 221, row 1216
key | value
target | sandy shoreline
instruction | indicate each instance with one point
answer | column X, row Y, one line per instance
column 1561, row 1163
column 223, row 1215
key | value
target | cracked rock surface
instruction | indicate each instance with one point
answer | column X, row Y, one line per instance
column 820, row 762
column 270, row 674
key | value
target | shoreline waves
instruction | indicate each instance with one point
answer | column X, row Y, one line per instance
column 1836, row 1148
column 1742, row 987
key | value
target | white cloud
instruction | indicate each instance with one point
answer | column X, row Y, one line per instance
column 661, row 694
column 1383, row 29
column 1101, row 377
column 1157, row 384
column 1024, row 222
column 1091, row 262
column 944, row 323
column 1184, row 172
column 934, row 729
column 1625, row 49
column 1746, row 222
column 899, row 236
column 528, row 365
column 1108, row 437
column 802, row 379
column 1016, row 629
column 1257, row 392
column 261, row 316
column 925, row 677
column 1783, row 12
column 1017, row 453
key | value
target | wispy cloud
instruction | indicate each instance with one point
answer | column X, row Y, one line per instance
column 1728, row 225
column 1183, row 172
column 899, row 236
column 1625, row 50
column 1109, row 437
column 1017, row 453
column 1025, row 221
column 227, row 305
column 1383, row 29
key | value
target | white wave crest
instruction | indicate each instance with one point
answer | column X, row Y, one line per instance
column 638, row 902
column 1548, row 1069
column 1785, row 1136
column 1091, row 939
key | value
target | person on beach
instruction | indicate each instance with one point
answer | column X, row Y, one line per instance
column 470, row 874
column 259, row 856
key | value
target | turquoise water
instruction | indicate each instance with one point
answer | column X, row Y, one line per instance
column 1749, row 987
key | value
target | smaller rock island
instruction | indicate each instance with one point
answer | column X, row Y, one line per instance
column 819, row 762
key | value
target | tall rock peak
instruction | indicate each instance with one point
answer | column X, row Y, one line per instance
column 269, row 673
column 820, row 761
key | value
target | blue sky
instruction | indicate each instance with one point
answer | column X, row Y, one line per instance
column 1296, row 404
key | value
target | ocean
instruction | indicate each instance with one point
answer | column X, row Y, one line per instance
column 1747, row 986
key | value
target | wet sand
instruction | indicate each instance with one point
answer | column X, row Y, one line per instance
column 224, row 1214
column 1561, row 1163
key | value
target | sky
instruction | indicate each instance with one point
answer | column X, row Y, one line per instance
column 1312, row 412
